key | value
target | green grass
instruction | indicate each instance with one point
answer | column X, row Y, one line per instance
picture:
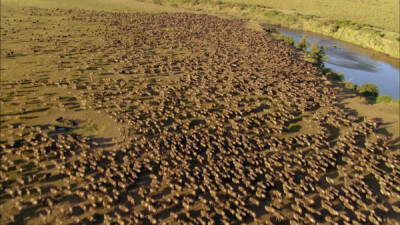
column 278, row 36
column 379, row 13
column 387, row 99
column 370, row 24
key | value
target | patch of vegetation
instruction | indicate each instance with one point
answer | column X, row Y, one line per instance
column 369, row 90
column 338, row 76
column 349, row 85
column 270, row 29
column 386, row 99
column 333, row 74
column 318, row 54
column 281, row 37
column 271, row 13
column 303, row 44
column 347, row 24
column 277, row 36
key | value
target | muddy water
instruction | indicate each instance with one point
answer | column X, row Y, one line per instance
column 358, row 64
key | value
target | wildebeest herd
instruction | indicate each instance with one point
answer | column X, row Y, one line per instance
column 217, row 124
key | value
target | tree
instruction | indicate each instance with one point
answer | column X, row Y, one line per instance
column 303, row 44
column 315, row 50
column 369, row 89
column 318, row 53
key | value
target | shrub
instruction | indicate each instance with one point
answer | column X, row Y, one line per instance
column 284, row 38
column 315, row 52
column 318, row 53
column 288, row 40
column 270, row 29
column 337, row 76
column 384, row 99
column 333, row 74
column 387, row 99
column 326, row 70
column 303, row 43
column 349, row 85
column 314, row 49
column 369, row 89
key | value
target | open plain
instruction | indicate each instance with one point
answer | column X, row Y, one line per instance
column 178, row 118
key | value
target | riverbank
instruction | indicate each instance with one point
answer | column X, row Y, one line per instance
column 358, row 65
column 376, row 36
column 386, row 114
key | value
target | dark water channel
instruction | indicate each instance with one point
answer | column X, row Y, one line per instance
column 359, row 65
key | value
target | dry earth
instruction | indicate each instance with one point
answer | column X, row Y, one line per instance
column 178, row 119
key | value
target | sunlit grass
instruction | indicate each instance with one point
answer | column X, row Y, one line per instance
column 380, row 13
column 106, row 5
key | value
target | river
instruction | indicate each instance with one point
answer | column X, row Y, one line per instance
column 359, row 65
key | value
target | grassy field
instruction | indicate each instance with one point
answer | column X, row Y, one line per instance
column 106, row 5
column 370, row 24
column 379, row 13
column 109, row 117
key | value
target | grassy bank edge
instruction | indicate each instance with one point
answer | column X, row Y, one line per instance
column 316, row 55
column 383, row 108
column 363, row 35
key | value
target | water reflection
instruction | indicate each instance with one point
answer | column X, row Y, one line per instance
column 358, row 64
column 349, row 60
